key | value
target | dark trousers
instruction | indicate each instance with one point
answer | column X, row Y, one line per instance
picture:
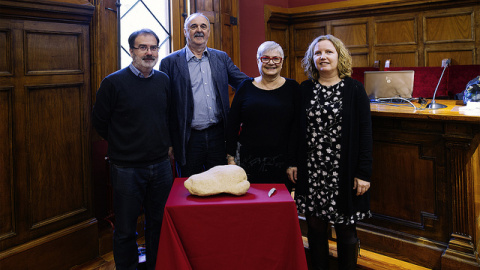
column 205, row 149
column 134, row 188
column 318, row 244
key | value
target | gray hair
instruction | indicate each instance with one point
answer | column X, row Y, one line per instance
column 193, row 15
column 134, row 35
column 269, row 46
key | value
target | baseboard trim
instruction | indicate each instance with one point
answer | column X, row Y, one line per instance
column 59, row 250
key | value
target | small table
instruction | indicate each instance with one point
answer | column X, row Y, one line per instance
column 252, row 231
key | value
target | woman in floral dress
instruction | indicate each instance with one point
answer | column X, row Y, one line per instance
column 335, row 152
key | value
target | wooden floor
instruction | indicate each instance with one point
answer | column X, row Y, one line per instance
column 367, row 260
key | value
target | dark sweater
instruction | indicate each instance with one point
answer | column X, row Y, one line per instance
column 267, row 118
column 131, row 113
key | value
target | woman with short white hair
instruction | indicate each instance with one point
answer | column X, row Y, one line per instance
column 261, row 120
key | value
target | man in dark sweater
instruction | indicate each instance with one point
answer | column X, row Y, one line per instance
column 131, row 113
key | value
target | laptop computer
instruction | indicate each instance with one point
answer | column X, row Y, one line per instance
column 389, row 84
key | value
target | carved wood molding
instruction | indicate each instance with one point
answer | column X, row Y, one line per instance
column 461, row 249
column 462, row 189
column 80, row 11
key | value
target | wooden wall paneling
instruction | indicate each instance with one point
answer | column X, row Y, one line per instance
column 7, row 199
column 7, row 222
column 56, row 47
column 56, row 102
column 231, row 24
column 45, row 99
column 400, row 31
column 229, row 40
column 354, row 34
column 476, row 11
column 400, row 58
column 104, row 43
column 280, row 33
column 461, row 144
column 304, row 34
column 420, row 44
column 211, row 9
column 406, row 42
column 60, row 250
column 360, row 59
column 69, row 11
column 449, row 35
column 6, row 60
column 55, row 125
column 449, row 26
column 177, row 21
column 420, row 158
column 104, row 56
column 301, row 37
column 371, row 42
column 229, row 33
column 417, row 197
column 299, row 71
column 396, row 39
column 435, row 55
column 475, row 174
column 410, row 200
column 290, row 42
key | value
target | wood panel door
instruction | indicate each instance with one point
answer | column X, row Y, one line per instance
column 45, row 103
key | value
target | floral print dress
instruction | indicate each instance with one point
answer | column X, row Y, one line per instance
column 324, row 132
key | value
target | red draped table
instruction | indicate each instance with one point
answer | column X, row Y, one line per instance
column 224, row 231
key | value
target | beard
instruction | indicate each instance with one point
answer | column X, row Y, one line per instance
column 146, row 62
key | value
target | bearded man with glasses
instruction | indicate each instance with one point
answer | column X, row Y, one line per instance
column 199, row 78
column 131, row 112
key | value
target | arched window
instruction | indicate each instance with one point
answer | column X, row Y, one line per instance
column 139, row 14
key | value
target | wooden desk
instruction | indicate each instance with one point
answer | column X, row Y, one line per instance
column 405, row 110
column 252, row 231
column 425, row 186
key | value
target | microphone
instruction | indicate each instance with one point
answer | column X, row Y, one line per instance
column 433, row 105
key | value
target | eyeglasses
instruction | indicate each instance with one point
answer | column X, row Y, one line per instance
column 275, row 59
column 195, row 26
column 144, row 48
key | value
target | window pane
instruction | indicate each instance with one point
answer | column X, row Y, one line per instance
column 136, row 15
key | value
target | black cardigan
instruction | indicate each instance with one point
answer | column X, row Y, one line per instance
column 356, row 142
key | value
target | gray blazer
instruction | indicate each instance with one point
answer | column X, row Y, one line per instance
column 224, row 73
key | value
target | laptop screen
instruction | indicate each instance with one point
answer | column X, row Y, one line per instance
column 389, row 84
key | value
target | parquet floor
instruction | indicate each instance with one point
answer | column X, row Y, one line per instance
column 367, row 260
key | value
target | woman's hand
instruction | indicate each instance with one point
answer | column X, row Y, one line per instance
column 361, row 186
column 292, row 174
column 231, row 160
column 170, row 154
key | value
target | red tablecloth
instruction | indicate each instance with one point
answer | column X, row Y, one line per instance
column 224, row 231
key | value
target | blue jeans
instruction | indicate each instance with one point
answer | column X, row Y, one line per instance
column 205, row 149
column 134, row 188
